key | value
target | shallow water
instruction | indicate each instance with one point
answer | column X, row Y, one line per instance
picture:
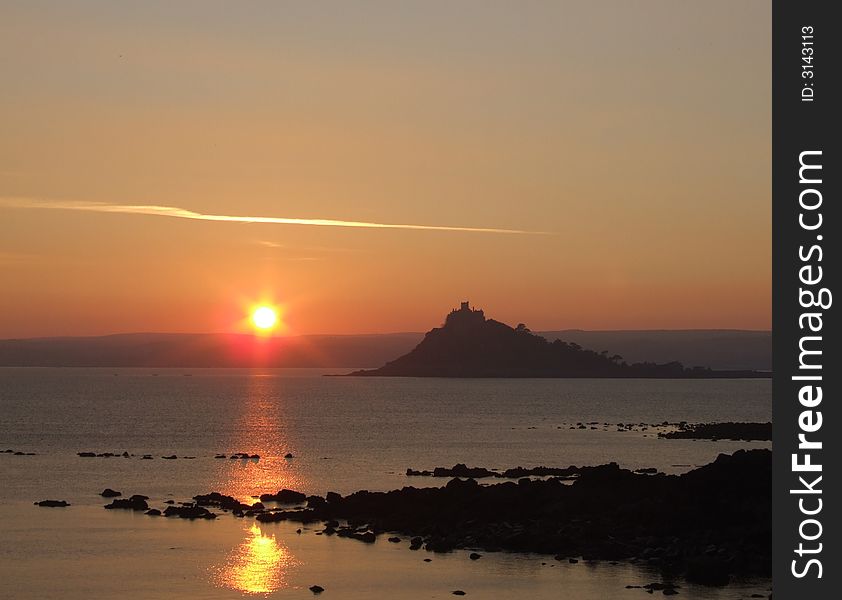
column 345, row 434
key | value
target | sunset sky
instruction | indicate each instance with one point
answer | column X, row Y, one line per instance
column 618, row 152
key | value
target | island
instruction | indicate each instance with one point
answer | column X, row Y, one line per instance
column 471, row 345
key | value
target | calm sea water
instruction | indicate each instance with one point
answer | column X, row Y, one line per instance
column 345, row 434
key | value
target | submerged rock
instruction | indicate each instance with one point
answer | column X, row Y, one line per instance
column 109, row 493
column 316, row 589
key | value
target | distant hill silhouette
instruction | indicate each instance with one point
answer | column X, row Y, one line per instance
column 195, row 350
column 717, row 349
column 469, row 345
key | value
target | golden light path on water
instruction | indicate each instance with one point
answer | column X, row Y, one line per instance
column 263, row 430
column 259, row 565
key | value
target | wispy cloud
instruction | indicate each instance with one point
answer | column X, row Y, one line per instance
column 181, row 213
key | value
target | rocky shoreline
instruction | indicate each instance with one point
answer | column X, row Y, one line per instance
column 707, row 525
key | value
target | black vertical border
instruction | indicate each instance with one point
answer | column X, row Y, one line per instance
column 799, row 126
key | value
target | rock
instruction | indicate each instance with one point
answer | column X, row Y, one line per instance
column 86, row 454
column 288, row 455
column 170, row 457
column 220, row 456
column 416, row 543
column 474, row 556
column 146, row 457
column 395, row 540
column 52, row 503
column 133, row 503
column 368, row 537
column 109, row 493
column 189, row 512
column 284, row 496
column 222, row 501
column 153, row 512
column 333, row 497
column 458, row 593
column 316, row 589
column 572, row 561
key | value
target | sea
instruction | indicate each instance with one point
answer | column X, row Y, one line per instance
column 315, row 432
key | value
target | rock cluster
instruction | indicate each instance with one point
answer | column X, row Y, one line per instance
column 706, row 524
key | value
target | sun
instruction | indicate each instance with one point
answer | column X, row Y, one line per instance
column 264, row 318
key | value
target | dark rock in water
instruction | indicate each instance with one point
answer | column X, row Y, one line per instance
column 125, row 455
column 86, row 454
column 133, row 503
column 333, row 497
column 458, row 593
column 272, row 517
column 416, row 543
column 316, row 589
column 368, row 537
column 395, row 540
column 170, row 457
column 52, row 503
column 146, row 457
column 243, row 455
column 222, row 501
column 315, row 501
column 646, row 470
column 475, row 556
column 169, row 501
column 189, row 512
column 220, row 456
column 288, row 455
column 139, row 497
column 153, row 512
column 721, row 431
column 109, row 493
column 284, row 496
column 572, row 561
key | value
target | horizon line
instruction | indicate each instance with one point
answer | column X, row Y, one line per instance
column 297, row 335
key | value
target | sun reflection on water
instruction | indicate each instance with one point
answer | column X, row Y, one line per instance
column 259, row 565
column 262, row 429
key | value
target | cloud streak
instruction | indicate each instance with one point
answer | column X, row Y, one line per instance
column 181, row 213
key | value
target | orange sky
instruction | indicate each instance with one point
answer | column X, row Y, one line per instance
column 635, row 136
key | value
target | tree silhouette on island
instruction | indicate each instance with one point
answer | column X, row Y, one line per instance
column 470, row 345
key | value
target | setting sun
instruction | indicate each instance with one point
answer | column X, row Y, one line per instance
column 264, row 318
